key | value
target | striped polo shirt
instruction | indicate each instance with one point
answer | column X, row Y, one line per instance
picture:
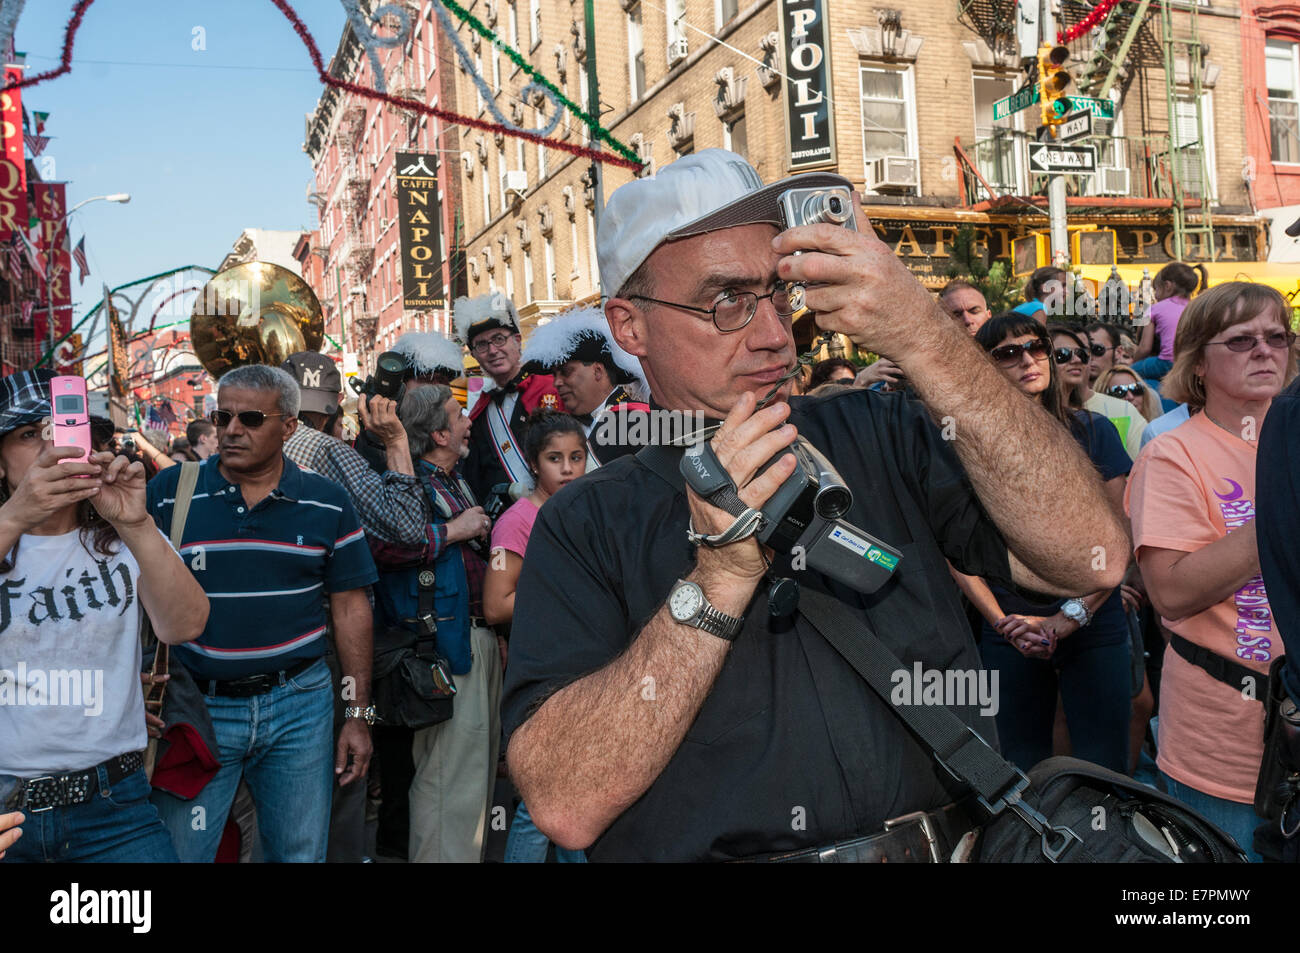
column 267, row 570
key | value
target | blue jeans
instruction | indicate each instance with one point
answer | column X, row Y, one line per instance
column 1237, row 820
column 527, row 845
column 282, row 744
column 1092, row 676
column 117, row 825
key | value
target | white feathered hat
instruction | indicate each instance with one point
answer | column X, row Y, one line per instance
column 583, row 334
column 429, row 352
column 472, row 316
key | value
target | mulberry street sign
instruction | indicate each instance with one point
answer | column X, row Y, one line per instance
column 1077, row 160
column 1015, row 102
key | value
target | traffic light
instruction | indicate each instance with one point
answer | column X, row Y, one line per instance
column 1053, row 81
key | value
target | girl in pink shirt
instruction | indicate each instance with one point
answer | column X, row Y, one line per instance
column 1174, row 285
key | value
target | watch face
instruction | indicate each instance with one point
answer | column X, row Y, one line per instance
column 685, row 601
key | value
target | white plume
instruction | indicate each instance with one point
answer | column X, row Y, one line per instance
column 553, row 343
column 467, row 312
column 428, row 351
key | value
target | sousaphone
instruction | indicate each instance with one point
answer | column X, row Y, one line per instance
column 254, row 313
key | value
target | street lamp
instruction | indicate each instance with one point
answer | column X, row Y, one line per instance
column 120, row 197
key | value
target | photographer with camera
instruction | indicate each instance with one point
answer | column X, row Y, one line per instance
column 390, row 506
column 489, row 325
column 655, row 709
column 418, row 359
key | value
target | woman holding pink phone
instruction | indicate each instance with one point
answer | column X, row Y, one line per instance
column 82, row 560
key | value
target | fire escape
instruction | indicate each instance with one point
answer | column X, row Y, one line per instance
column 356, row 251
column 1168, row 170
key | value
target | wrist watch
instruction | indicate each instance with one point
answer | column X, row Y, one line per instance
column 367, row 713
column 1076, row 611
column 688, row 605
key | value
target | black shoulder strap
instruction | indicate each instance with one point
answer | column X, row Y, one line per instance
column 664, row 461
column 996, row 782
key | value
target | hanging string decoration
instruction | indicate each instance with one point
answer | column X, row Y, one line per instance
column 1094, row 18
column 372, row 42
column 627, row 158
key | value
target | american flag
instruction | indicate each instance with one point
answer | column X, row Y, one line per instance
column 167, row 414
column 33, row 258
column 15, row 260
column 35, row 144
column 79, row 256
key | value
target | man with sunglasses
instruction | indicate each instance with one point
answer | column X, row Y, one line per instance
column 656, row 706
column 275, row 547
column 489, row 325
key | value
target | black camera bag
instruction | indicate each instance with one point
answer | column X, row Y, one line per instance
column 411, row 681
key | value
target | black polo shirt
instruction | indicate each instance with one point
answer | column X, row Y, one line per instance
column 791, row 748
column 1277, row 523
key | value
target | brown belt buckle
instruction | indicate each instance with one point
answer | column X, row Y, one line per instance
column 927, row 828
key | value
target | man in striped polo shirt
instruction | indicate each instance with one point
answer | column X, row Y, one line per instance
column 270, row 543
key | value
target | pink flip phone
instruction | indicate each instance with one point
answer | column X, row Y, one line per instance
column 70, row 415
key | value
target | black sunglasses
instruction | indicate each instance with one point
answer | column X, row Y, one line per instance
column 1009, row 354
column 1063, row 354
column 1247, row 342
column 1099, row 349
column 1124, row 390
column 252, row 419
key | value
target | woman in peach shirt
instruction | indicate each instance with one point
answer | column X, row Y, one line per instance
column 1191, row 501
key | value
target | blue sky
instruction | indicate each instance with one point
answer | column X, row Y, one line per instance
column 207, row 142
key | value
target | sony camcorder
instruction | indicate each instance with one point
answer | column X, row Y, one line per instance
column 803, row 518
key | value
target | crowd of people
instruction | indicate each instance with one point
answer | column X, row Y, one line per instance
column 597, row 630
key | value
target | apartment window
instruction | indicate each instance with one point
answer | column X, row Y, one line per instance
column 582, row 98
column 478, row 93
column 998, row 153
column 549, row 264
column 726, row 10
column 513, row 13
column 635, row 54
column 534, row 23
column 496, row 69
column 433, row 45
column 519, row 154
column 510, row 277
column 418, row 42
column 1282, row 69
column 735, row 136
column 1190, row 145
column 487, row 193
column 675, row 10
column 888, row 113
column 528, row 272
column 541, row 147
column 501, row 174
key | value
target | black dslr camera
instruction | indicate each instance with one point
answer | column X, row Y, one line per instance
column 803, row 517
column 389, row 379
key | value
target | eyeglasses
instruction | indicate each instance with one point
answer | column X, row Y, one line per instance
column 1242, row 343
column 252, row 419
column 735, row 309
column 1124, row 390
column 495, row 342
column 1009, row 354
column 1064, row 354
column 1098, row 350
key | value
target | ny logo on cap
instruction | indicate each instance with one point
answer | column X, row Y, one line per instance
column 311, row 377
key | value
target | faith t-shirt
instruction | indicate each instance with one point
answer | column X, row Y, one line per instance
column 1191, row 487
column 70, row 693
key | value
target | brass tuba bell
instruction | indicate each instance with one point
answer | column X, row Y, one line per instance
column 254, row 313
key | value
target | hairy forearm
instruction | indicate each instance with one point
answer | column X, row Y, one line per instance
column 397, row 456
column 353, row 635
column 176, row 603
column 1184, row 586
column 597, row 745
column 1007, row 443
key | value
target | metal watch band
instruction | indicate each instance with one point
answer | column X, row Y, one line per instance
column 718, row 623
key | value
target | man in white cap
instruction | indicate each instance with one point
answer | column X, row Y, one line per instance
column 489, row 325
column 654, row 708
column 598, row 381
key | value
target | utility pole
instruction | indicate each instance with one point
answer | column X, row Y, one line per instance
column 593, row 110
column 1055, row 181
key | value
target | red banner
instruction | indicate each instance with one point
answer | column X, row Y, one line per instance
column 55, row 257
column 13, row 167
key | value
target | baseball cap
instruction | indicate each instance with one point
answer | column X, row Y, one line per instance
column 319, row 381
column 703, row 192
column 24, row 398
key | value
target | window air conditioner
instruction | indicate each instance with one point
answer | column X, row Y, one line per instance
column 1110, row 181
column 677, row 50
column 517, row 181
column 896, row 174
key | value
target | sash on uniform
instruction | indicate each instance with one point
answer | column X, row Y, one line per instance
column 504, row 444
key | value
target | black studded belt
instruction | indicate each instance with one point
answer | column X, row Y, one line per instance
column 34, row 795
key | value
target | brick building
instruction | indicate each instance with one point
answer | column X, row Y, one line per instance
column 1271, row 57
column 352, row 143
column 910, row 91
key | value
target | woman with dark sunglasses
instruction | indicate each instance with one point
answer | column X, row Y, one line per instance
column 1041, row 647
column 1074, row 356
column 1192, row 502
column 1127, row 384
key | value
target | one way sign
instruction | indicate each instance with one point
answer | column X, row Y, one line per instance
column 1044, row 157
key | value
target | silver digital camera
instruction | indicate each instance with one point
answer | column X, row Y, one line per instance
column 813, row 206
